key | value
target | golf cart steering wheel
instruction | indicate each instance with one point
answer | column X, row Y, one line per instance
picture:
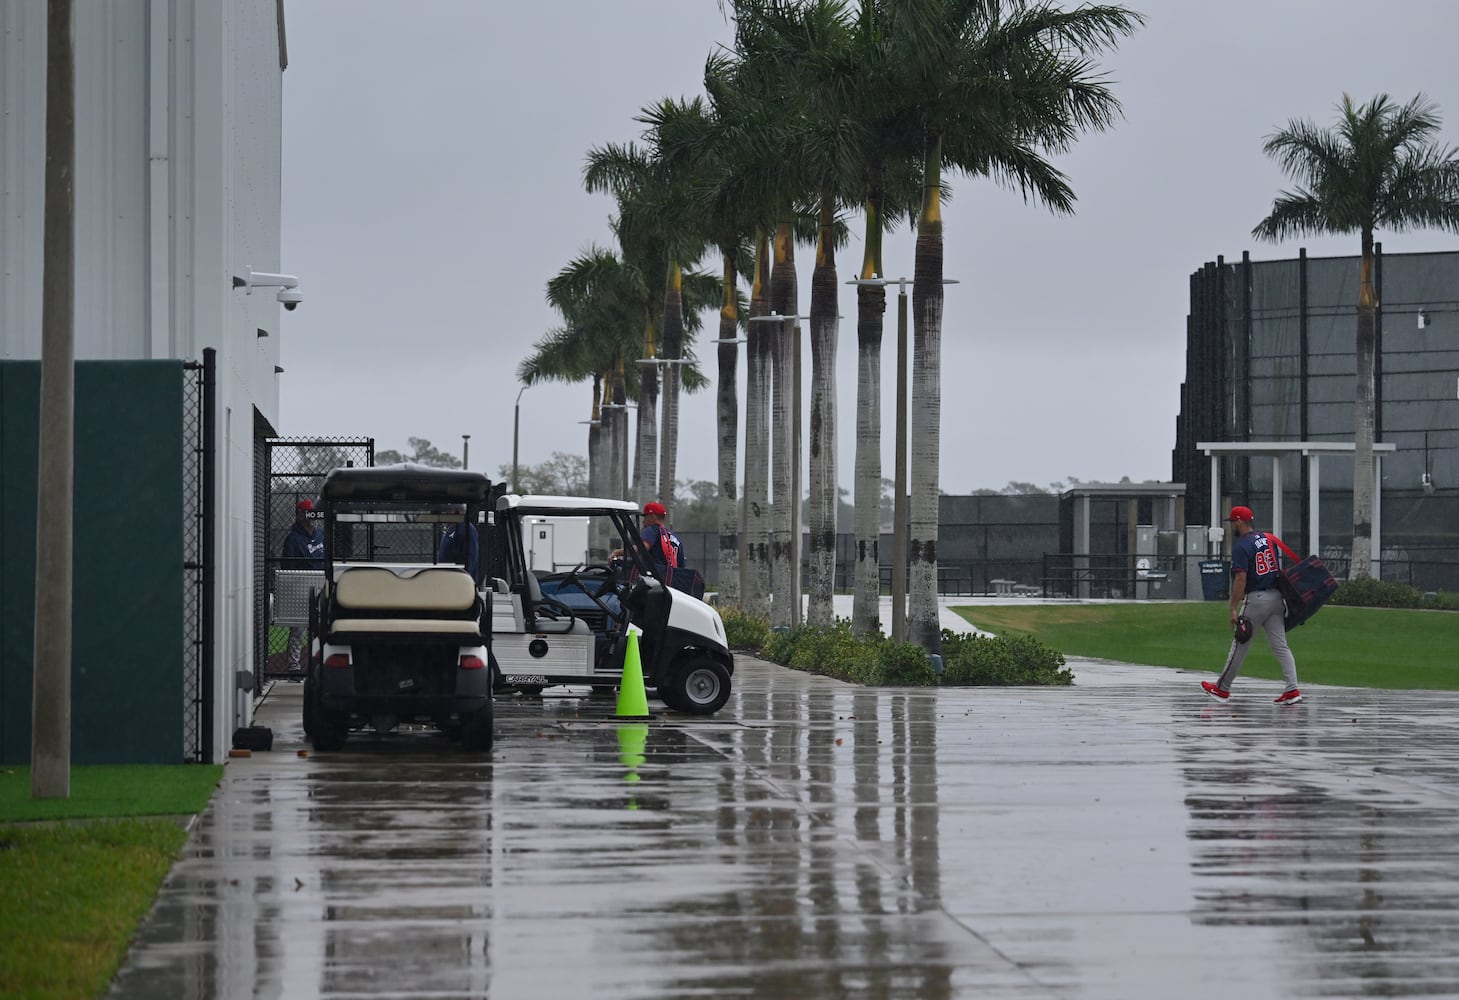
column 592, row 571
column 608, row 586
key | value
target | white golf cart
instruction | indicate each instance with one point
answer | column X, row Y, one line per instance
column 400, row 631
column 557, row 623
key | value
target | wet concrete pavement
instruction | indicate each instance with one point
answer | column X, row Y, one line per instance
column 1124, row 838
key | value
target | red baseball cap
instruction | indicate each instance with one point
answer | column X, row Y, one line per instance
column 304, row 505
column 1241, row 514
column 654, row 507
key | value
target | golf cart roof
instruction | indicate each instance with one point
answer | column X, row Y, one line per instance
column 566, row 506
column 405, row 483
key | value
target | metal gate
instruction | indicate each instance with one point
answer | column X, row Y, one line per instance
column 294, row 470
column 198, row 504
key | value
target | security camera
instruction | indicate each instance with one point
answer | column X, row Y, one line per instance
column 290, row 298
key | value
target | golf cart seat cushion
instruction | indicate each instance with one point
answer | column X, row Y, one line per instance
column 399, row 626
column 444, row 591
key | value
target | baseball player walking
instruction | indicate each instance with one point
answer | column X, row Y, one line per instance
column 1255, row 567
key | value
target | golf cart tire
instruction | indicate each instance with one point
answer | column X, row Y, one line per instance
column 700, row 686
column 330, row 731
column 476, row 730
column 308, row 705
column 327, row 730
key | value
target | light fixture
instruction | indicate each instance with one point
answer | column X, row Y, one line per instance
column 289, row 295
column 278, row 370
column 1423, row 318
column 262, row 332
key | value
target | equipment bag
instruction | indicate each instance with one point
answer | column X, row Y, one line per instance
column 690, row 581
column 1305, row 586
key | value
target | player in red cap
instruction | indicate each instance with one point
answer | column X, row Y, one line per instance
column 303, row 549
column 661, row 544
column 1255, row 569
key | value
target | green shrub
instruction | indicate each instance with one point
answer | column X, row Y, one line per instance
column 905, row 664
column 1001, row 660
column 877, row 661
column 743, row 630
column 1366, row 592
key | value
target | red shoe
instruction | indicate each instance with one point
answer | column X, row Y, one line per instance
column 1290, row 697
column 1218, row 692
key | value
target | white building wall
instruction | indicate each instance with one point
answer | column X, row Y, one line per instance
column 178, row 136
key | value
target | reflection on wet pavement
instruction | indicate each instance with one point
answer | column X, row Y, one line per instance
column 816, row 839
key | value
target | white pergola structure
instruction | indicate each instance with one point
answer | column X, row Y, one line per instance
column 1313, row 450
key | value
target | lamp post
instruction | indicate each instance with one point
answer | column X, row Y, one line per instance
column 516, row 426
column 465, row 450
column 899, row 475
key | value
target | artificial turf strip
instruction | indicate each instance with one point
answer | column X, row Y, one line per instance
column 1351, row 647
column 71, row 897
column 113, row 790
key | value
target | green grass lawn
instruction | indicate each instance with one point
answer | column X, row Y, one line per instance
column 75, row 884
column 1352, row 647
column 113, row 790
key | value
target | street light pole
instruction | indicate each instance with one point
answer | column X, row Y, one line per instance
column 899, row 478
column 516, row 426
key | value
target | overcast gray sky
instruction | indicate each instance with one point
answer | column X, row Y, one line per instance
column 432, row 166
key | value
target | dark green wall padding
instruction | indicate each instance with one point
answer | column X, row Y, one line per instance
column 128, row 642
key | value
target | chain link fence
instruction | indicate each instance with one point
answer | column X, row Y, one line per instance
column 198, row 566
column 293, row 470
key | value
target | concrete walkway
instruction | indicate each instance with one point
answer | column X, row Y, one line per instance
column 1125, row 838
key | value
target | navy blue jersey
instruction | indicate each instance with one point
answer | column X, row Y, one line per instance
column 1255, row 555
column 303, row 547
column 450, row 549
column 654, row 538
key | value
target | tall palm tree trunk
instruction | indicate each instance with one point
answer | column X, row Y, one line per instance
column 598, row 438
column 923, row 625
column 645, row 459
column 673, row 350
column 760, row 340
column 727, row 412
column 822, row 443
column 618, row 434
column 871, row 307
column 782, row 510
column 1363, row 417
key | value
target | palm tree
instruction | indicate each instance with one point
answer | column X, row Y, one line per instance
column 629, row 175
column 850, row 131
column 749, row 87
column 1376, row 168
column 997, row 84
column 702, row 137
column 759, row 344
column 601, row 299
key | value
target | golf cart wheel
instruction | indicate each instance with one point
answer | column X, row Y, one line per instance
column 309, row 705
column 476, row 730
column 328, row 729
column 666, row 695
column 700, row 686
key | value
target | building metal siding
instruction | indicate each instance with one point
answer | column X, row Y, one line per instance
column 179, row 150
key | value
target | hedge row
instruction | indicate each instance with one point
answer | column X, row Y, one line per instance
column 1366, row 592
column 876, row 660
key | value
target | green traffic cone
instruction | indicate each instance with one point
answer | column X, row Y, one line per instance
column 632, row 698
